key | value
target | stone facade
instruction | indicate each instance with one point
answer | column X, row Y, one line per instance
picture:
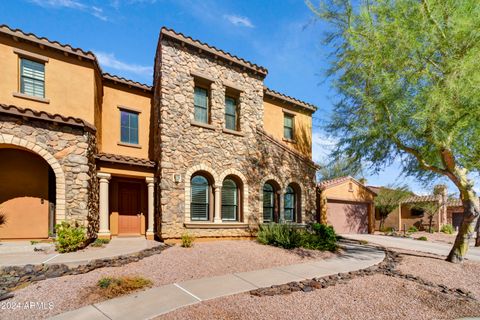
column 185, row 147
column 70, row 151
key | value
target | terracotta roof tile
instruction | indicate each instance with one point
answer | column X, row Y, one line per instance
column 327, row 183
column 116, row 158
column 277, row 95
column 42, row 115
column 165, row 32
column 125, row 81
column 19, row 34
column 427, row 198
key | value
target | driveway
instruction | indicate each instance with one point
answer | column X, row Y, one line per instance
column 410, row 244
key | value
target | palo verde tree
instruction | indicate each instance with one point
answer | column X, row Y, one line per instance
column 408, row 77
column 388, row 199
column 340, row 167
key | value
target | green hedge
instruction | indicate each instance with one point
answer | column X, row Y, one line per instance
column 69, row 238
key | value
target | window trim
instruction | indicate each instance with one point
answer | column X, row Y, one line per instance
column 237, row 201
column 294, row 204
column 236, row 115
column 19, row 93
column 272, row 218
column 126, row 143
column 209, row 103
column 208, row 203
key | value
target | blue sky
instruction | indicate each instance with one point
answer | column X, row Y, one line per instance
column 282, row 36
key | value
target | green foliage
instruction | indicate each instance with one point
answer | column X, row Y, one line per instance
column 430, row 209
column 422, row 238
column 187, row 240
column 388, row 199
column 412, row 229
column 287, row 236
column 69, row 238
column 33, row 242
column 111, row 287
column 100, row 242
column 340, row 167
column 447, row 228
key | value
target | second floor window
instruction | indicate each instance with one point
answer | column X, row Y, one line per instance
column 201, row 105
column 288, row 127
column 32, row 78
column 231, row 113
column 128, row 127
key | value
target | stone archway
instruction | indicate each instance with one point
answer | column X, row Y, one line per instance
column 188, row 175
column 7, row 139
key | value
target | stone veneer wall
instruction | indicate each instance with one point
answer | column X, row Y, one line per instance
column 182, row 147
column 70, row 152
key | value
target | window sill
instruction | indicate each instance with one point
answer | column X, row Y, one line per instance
column 33, row 98
column 202, row 125
column 289, row 140
column 212, row 225
column 234, row 132
column 123, row 144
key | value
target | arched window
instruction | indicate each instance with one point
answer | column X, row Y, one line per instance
column 290, row 204
column 229, row 200
column 268, row 202
column 200, row 196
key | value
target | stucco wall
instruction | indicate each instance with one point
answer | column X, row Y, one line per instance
column 183, row 148
column 273, row 124
column 343, row 192
column 69, row 82
column 115, row 96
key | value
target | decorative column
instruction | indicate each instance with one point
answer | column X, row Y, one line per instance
column 281, row 210
column 217, row 206
column 104, row 232
column 150, row 194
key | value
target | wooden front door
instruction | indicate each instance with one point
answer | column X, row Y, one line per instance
column 129, row 208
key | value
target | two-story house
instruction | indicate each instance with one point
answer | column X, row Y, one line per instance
column 208, row 149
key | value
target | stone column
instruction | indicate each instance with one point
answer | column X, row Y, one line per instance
column 104, row 232
column 217, row 206
column 281, row 211
column 150, row 219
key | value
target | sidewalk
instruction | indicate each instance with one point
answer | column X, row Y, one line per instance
column 160, row 300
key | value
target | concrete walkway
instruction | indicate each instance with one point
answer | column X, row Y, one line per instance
column 22, row 253
column 160, row 300
column 410, row 244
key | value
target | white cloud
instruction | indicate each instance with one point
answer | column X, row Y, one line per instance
column 239, row 20
column 110, row 61
column 72, row 4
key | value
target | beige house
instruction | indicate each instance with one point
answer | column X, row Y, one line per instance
column 207, row 149
column 346, row 204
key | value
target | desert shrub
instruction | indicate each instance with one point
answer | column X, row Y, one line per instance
column 447, row 228
column 34, row 242
column 111, row 287
column 187, row 240
column 422, row 238
column 287, row 236
column 69, row 238
column 100, row 242
column 412, row 229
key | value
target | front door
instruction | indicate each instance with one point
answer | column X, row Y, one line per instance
column 129, row 220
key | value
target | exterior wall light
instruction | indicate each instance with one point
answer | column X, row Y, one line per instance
column 177, row 178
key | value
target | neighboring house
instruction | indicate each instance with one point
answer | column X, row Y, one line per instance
column 207, row 150
column 347, row 205
column 450, row 211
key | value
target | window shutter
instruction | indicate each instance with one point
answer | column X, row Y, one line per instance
column 199, row 198
column 32, row 78
column 229, row 200
column 268, row 202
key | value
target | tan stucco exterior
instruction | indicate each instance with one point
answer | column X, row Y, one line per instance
column 118, row 97
column 274, row 111
column 69, row 82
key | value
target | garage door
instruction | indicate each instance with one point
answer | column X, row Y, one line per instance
column 348, row 217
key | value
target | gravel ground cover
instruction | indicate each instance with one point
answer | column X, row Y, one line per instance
column 436, row 236
column 172, row 265
column 371, row 297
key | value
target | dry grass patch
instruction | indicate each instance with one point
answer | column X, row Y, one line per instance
column 111, row 287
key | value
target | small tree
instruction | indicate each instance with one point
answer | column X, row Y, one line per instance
column 430, row 209
column 388, row 199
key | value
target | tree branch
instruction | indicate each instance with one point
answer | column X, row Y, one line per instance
column 429, row 13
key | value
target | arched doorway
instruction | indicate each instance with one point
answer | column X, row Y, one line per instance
column 27, row 194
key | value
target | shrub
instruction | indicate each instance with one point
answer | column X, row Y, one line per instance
column 33, row 242
column 287, row 236
column 422, row 238
column 100, row 242
column 69, row 238
column 111, row 287
column 447, row 228
column 412, row 229
column 187, row 240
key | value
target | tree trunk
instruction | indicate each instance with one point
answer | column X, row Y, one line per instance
column 430, row 222
column 477, row 241
column 465, row 233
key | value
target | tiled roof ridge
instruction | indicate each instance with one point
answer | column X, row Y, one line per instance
column 27, row 112
column 124, row 80
column 290, row 99
column 233, row 57
column 103, row 156
column 44, row 40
